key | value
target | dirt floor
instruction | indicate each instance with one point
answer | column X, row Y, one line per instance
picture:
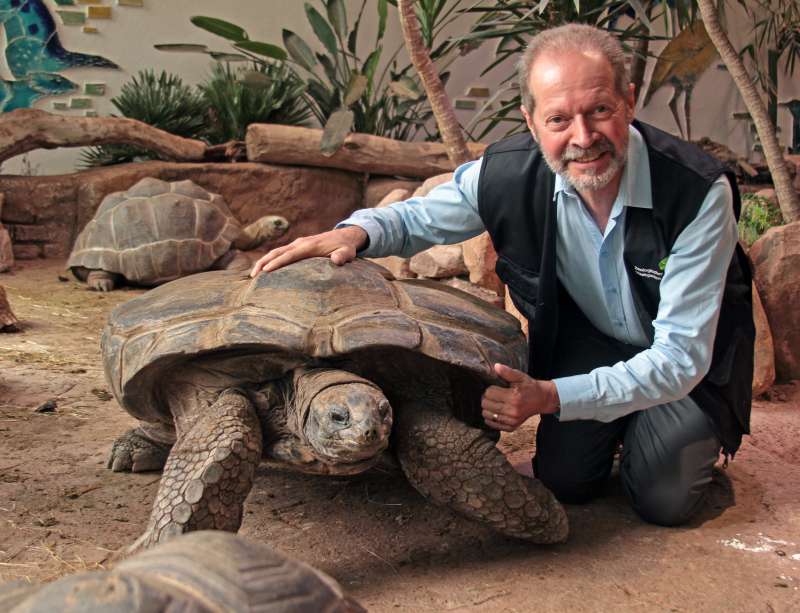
column 62, row 511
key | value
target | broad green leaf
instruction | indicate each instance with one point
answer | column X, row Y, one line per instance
column 371, row 64
column 355, row 88
column 405, row 88
column 337, row 16
column 382, row 13
column 336, row 130
column 330, row 69
column 299, row 50
column 222, row 28
column 265, row 49
column 182, row 47
column 228, row 57
column 321, row 29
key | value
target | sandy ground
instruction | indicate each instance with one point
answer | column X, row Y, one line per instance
column 62, row 511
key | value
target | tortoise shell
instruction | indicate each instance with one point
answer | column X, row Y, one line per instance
column 207, row 570
column 311, row 311
column 156, row 232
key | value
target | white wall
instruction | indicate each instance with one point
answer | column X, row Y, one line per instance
column 128, row 39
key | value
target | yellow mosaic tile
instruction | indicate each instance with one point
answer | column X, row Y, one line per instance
column 90, row 30
column 99, row 12
column 90, row 1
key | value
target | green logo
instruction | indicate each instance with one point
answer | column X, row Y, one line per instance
column 663, row 264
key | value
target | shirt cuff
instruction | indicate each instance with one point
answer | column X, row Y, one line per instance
column 575, row 394
column 372, row 229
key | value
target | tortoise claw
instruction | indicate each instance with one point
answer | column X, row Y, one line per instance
column 132, row 452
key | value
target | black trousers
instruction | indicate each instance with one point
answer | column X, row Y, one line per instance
column 668, row 451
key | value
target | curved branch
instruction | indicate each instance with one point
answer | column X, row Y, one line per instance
column 452, row 137
column 24, row 130
column 788, row 199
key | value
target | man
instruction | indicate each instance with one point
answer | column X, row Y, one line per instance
column 619, row 244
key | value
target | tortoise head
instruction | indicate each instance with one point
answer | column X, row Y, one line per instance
column 344, row 419
column 264, row 229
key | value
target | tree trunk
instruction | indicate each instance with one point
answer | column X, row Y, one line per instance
column 788, row 199
column 452, row 136
column 279, row 144
column 24, row 130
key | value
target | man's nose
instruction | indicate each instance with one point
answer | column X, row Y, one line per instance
column 582, row 132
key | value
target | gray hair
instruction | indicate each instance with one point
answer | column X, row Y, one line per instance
column 572, row 37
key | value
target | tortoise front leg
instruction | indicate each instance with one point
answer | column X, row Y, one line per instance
column 103, row 281
column 209, row 471
column 459, row 467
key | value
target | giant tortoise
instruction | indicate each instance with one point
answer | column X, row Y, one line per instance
column 308, row 366
column 158, row 231
column 203, row 572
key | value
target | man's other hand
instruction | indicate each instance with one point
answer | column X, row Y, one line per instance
column 340, row 245
column 507, row 408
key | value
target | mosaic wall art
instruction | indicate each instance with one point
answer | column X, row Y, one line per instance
column 35, row 56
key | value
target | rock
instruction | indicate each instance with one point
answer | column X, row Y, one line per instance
column 511, row 308
column 475, row 290
column 480, row 259
column 396, row 195
column 439, row 262
column 398, row 266
column 311, row 199
column 6, row 250
column 432, row 182
column 378, row 187
column 776, row 260
column 27, row 252
column 764, row 354
column 767, row 193
column 8, row 322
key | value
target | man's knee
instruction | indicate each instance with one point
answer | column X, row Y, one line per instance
column 664, row 503
column 567, row 487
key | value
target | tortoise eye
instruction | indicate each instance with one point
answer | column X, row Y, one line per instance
column 339, row 415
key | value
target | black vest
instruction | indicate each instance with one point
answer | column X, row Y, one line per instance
column 515, row 201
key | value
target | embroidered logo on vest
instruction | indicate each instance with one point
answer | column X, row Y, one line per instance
column 648, row 273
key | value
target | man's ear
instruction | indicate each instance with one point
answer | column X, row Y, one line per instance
column 529, row 121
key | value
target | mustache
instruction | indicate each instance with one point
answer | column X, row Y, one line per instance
column 579, row 154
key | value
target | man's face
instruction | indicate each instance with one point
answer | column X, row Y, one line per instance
column 580, row 120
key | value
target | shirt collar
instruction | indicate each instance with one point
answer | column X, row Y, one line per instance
column 635, row 185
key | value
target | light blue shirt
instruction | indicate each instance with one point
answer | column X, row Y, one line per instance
column 590, row 266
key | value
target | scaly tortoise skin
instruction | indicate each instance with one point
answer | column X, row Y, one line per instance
column 308, row 366
column 158, row 231
column 202, row 572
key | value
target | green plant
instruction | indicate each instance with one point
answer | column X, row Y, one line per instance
column 758, row 215
column 162, row 101
column 344, row 91
column 264, row 93
column 511, row 23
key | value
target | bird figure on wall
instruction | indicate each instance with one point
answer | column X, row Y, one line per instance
column 34, row 55
column 681, row 64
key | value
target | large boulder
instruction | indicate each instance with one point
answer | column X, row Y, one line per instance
column 776, row 260
column 764, row 353
column 439, row 262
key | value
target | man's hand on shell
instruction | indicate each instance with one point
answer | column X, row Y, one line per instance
column 507, row 408
column 341, row 245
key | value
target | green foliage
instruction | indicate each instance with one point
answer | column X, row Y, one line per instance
column 511, row 23
column 162, row 101
column 266, row 93
column 759, row 214
column 344, row 90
